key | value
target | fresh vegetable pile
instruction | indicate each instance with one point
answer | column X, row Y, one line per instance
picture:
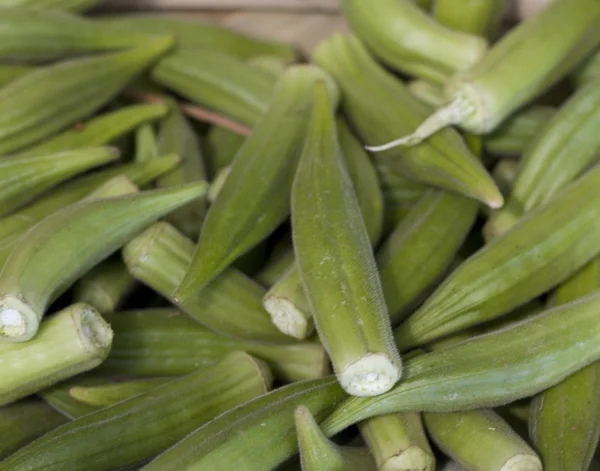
column 216, row 255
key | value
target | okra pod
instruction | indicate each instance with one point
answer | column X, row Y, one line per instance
column 336, row 263
column 230, row 305
column 588, row 71
column 105, row 286
column 73, row 341
column 511, row 363
column 103, row 129
column 422, row 247
column 286, row 300
column 67, row 5
column 166, row 342
column 505, row 173
column 396, row 188
column 217, row 80
column 406, row 38
column 278, row 264
column 443, row 161
column 548, row 246
column 146, row 143
column 30, row 34
column 565, row 147
column 525, row 62
column 429, row 93
column 203, row 35
column 398, row 442
column 318, row 453
column 47, row 100
column 67, row 244
column 563, row 421
column 105, row 395
column 24, row 421
column 480, row 17
column 134, row 430
column 481, row 440
column 176, row 136
column 222, row 445
column 23, row 179
column 59, row 399
column 10, row 72
column 221, row 147
column 217, row 183
column 254, row 199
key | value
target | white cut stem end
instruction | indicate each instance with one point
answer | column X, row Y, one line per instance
column 523, row 462
column 414, row 457
column 370, row 375
column 18, row 322
column 96, row 333
column 287, row 318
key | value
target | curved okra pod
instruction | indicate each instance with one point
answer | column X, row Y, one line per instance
column 286, row 300
column 109, row 394
column 254, row 199
column 527, row 61
column 318, row 453
column 146, row 143
column 11, row 72
column 22, row 179
column 443, row 161
column 398, row 442
column 406, row 38
column 24, row 421
column 547, row 247
column 336, row 263
column 481, row 440
column 65, row 245
column 176, row 136
column 166, row 342
column 203, row 35
column 29, row 34
column 511, row 363
column 134, row 430
column 217, row 80
column 101, row 130
column 422, row 247
column 565, row 147
column 14, row 226
column 73, row 341
column 230, row 305
column 43, row 102
column 480, row 17
column 105, row 286
column 588, row 71
column 67, row 5
column 223, row 444
column 564, row 420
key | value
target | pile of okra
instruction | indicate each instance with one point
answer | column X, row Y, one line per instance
column 218, row 254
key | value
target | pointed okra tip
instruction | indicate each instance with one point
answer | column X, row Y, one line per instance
column 370, row 375
column 18, row 321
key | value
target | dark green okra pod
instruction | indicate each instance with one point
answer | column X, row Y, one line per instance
column 10, row 72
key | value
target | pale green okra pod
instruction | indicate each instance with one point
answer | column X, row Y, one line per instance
column 73, row 341
column 10, row 72
column 588, row 71
column 105, row 395
column 146, row 145
column 480, row 17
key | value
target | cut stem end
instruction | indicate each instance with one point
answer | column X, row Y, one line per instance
column 287, row 318
column 371, row 375
column 18, row 322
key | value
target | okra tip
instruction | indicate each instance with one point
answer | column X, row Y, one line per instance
column 18, row 321
column 498, row 224
column 287, row 318
column 370, row 375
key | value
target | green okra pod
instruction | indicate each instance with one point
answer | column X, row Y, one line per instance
column 217, row 80
column 286, row 300
column 230, row 305
column 548, row 246
column 22, row 179
column 67, row 5
column 59, row 399
column 318, row 453
column 336, row 262
column 75, row 340
column 65, row 245
column 103, row 129
column 443, row 161
column 105, row 286
column 565, row 147
column 134, row 430
column 398, row 442
column 481, row 440
column 105, row 395
column 396, row 188
column 221, row 146
column 30, row 34
column 564, row 420
column 10, row 72
column 511, row 363
column 480, row 17
column 166, row 342
column 176, row 136
column 217, row 183
column 505, row 173
column 14, row 226
column 223, row 443
column 429, row 93
column 527, row 61
column 24, row 421
column 146, row 145
column 406, row 38
column 422, row 247
column 254, row 199
column 588, row 71
column 277, row 265
column 46, row 101
column 203, row 35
